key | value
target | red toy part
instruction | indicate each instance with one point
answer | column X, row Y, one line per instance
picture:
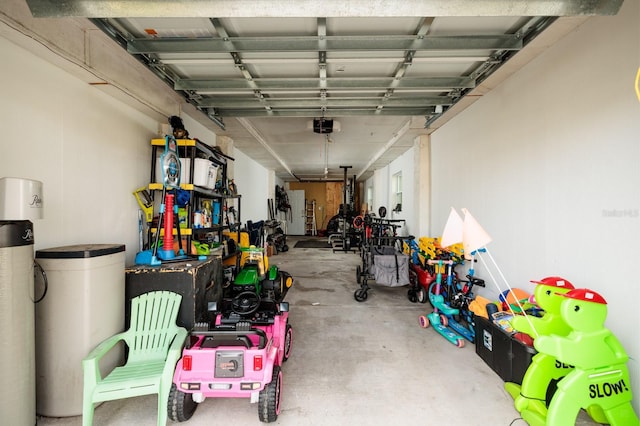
column 586, row 295
column 424, row 277
column 168, row 223
column 524, row 338
column 555, row 282
column 512, row 296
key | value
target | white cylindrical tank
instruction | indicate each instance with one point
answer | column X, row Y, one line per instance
column 20, row 199
column 83, row 305
column 17, row 353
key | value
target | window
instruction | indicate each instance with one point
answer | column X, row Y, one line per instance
column 370, row 199
column 396, row 189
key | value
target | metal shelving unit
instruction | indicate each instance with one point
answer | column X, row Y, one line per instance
column 192, row 149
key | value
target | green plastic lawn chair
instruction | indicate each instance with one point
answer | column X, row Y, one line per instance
column 155, row 344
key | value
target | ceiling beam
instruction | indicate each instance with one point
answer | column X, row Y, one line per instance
column 444, row 57
column 273, row 84
column 329, row 102
column 238, row 63
column 327, row 8
column 401, row 69
column 329, row 112
column 371, row 42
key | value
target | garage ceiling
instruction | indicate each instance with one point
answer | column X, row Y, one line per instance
column 384, row 72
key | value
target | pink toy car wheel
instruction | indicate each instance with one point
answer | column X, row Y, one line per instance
column 288, row 339
column 180, row 406
column 269, row 401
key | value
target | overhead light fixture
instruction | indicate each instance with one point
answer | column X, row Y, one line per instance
column 323, row 125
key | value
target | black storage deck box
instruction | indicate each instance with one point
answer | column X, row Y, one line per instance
column 507, row 356
column 199, row 282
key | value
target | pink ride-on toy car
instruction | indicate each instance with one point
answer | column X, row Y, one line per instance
column 239, row 356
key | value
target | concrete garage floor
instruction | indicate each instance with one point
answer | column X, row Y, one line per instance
column 353, row 363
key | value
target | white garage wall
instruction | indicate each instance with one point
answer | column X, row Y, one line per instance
column 198, row 131
column 381, row 189
column 253, row 184
column 551, row 167
column 89, row 150
column 405, row 165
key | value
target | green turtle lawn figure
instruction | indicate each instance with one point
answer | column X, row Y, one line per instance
column 600, row 376
column 545, row 370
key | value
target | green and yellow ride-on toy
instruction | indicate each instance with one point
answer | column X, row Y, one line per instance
column 258, row 277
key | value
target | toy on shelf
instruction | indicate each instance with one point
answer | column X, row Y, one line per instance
column 146, row 210
column 600, row 376
column 170, row 163
column 168, row 208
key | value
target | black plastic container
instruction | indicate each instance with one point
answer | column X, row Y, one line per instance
column 199, row 282
column 507, row 356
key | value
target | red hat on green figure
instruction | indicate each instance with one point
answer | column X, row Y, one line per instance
column 585, row 295
column 555, row 282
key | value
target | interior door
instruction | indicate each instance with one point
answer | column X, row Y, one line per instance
column 296, row 222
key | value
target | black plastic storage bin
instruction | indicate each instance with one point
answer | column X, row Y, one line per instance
column 507, row 356
column 198, row 281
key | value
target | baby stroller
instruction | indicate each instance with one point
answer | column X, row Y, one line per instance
column 382, row 258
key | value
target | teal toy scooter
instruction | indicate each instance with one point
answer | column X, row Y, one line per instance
column 456, row 295
column 441, row 314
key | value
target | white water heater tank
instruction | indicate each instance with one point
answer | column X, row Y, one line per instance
column 20, row 199
column 17, row 335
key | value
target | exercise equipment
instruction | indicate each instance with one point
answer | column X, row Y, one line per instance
column 344, row 237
